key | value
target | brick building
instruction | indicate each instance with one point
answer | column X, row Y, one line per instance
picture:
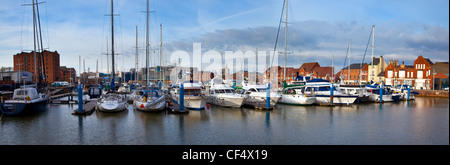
column 351, row 75
column 50, row 60
column 67, row 74
column 418, row 75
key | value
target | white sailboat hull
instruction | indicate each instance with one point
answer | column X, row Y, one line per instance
column 154, row 104
column 112, row 106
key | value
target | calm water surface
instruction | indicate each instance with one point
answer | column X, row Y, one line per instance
column 422, row 121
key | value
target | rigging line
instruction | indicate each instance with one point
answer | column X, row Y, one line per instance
column 345, row 61
column 48, row 33
column 21, row 29
column 278, row 33
column 365, row 52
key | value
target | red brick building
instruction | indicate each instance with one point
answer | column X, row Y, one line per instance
column 307, row 68
column 355, row 74
column 67, row 74
column 49, row 59
column 418, row 75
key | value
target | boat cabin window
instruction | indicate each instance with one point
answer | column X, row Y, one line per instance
column 22, row 92
column 324, row 88
column 192, row 92
column 261, row 89
column 252, row 90
column 230, row 91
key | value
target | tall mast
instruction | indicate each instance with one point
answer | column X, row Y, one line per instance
column 34, row 41
column 137, row 58
column 41, row 57
column 349, row 53
column 147, row 43
column 160, row 54
column 285, row 40
column 373, row 46
column 112, row 46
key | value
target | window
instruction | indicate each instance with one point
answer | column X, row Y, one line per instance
column 419, row 74
column 401, row 74
column 390, row 72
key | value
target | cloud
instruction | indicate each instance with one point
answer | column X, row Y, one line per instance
column 310, row 41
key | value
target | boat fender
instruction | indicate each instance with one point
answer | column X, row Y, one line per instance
column 28, row 98
column 142, row 106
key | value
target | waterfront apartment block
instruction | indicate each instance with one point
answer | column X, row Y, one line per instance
column 420, row 75
column 355, row 74
column 25, row 62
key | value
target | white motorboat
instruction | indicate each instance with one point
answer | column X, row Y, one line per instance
column 112, row 102
column 295, row 95
column 222, row 94
column 402, row 90
column 256, row 96
column 375, row 93
column 321, row 89
column 359, row 90
column 193, row 97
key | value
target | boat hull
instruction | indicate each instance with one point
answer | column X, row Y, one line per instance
column 18, row 108
column 155, row 105
column 337, row 99
column 260, row 102
column 376, row 98
column 194, row 102
column 234, row 102
column 111, row 107
column 296, row 100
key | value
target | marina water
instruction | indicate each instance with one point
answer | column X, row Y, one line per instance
column 424, row 120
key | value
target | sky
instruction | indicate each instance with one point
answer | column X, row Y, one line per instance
column 318, row 30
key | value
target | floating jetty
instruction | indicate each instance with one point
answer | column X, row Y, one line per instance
column 174, row 107
column 88, row 108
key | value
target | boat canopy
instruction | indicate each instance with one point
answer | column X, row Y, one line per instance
column 23, row 93
column 317, row 80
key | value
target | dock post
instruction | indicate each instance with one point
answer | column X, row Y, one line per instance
column 331, row 94
column 407, row 93
column 381, row 92
column 80, row 98
column 268, row 96
column 181, row 99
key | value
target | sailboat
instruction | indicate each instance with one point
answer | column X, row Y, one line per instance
column 112, row 101
column 293, row 94
column 27, row 100
column 150, row 101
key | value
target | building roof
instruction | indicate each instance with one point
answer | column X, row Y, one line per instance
column 323, row 71
column 309, row 67
column 381, row 74
column 354, row 66
column 440, row 67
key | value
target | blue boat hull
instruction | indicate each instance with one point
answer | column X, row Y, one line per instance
column 11, row 109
